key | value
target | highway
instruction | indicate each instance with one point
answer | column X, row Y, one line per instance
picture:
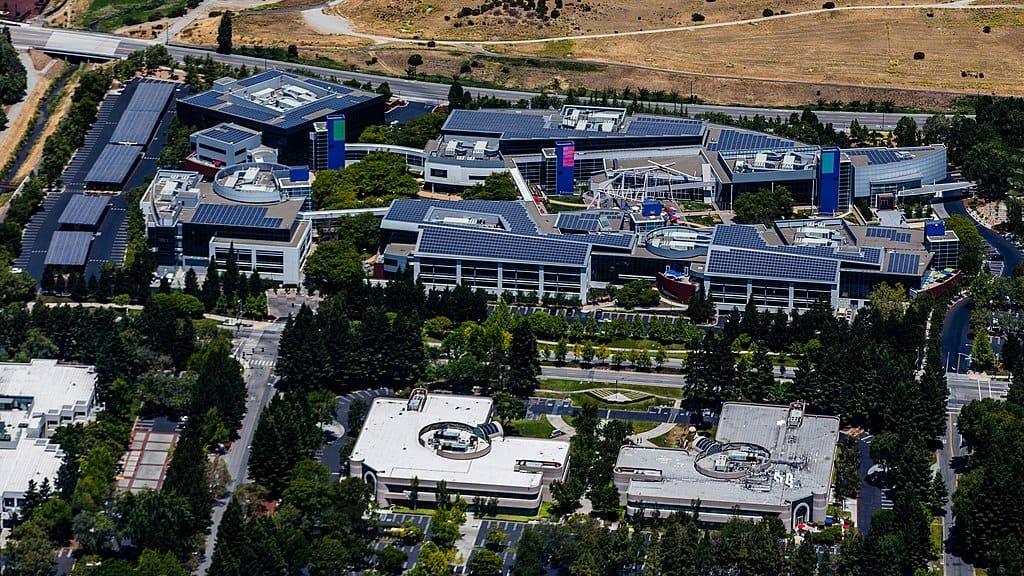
column 28, row 36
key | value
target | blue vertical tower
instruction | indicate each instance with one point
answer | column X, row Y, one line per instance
column 828, row 181
column 336, row 141
column 565, row 167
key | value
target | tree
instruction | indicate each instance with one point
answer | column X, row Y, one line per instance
column 225, row 561
column 485, row 563
column 497, row 186
column 285, row 435
column 334, row 267
column 637, row 293
column 982, row 355
column 391, row 560
column 372, row 182
column 523, row 362
column 763, row 206
column 361, row 230
column 224, row 34
column 456, row 96
column 414, row 62
column 906, row 132
column 973, row 248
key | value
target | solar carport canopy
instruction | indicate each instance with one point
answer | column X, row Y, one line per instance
column 84, row 210
column 143, row 112
column 113, row 164
column 68, row 248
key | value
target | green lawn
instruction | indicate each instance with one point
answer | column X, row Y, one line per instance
column 533, row 428
column 564, row 385
column 663, row 440
column 639, row 427
column 936, row 536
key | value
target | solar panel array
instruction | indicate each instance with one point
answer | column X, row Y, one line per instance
column 742, row 236
column 890, row 233
column 234, row 215
column 143, row 112
column 517, row 125
column 624, row 241
column 883, row 155
column 258, row 114
column 84, row 210
column 903, row 263
column 729, row 140
column 578, row 222
column 654, row 126
column 495, row 245
column 415, row 211
column 262, row 77
column 68, row 248
column 747, row 263
column 229, row 133
column 113, row 164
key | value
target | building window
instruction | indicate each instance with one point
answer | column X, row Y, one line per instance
column 438, row 173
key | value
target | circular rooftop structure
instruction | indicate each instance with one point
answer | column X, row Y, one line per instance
column 733, row 461
column 459, row 441
column 252, row 182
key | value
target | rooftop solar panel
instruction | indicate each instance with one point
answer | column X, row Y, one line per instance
column 234, row 215
column 68, row 248
column 578, row 222
column 750, row 263
column 903, row 263
column 624, row 241
column 496, row 246
column 416, row 211
column 743, row 236
column 113, row 164
column 732, row 140
column 151, row 95
column 228, row 133
column 84, row 210
column 511, row 125
column 135, row 127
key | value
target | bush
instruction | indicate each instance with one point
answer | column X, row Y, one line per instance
column 697, row 17
column 828, row 5
column 918, row 55
column 986, row 29
column 431, row 44
column 767, row 13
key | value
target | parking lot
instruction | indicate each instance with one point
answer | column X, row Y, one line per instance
column 538, row 407
column 390, row 520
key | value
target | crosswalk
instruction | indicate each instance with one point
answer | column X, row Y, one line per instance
column 261, row 363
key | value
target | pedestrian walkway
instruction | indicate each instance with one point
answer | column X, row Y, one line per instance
column 560, row 424
column 644, row 438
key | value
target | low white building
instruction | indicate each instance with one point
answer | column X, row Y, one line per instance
column 35, row 399
column 441, row 437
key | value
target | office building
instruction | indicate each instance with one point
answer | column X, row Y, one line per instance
column 431, row 438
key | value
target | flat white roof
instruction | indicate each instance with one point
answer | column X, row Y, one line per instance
column 390, row 444
column 33, row 459
column 53, row 387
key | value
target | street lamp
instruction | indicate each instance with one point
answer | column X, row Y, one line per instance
column 958, row 355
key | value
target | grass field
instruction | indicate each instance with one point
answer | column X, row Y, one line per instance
column 533, row 428
column 426, row 18
column 669, row 439
column 859, row 47
column 256, row 29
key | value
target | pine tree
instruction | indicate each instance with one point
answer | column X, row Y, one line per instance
column 224, row 34
column 192, row 283
column 186, row 475
column 523, row 362
column 225, row 561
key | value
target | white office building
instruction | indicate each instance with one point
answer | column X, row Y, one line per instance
column 432, row 438
column 35, row 399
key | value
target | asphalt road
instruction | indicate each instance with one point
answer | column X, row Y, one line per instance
column 26, row 36
column 255, row 346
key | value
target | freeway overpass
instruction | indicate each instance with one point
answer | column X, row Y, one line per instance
column 98, row 45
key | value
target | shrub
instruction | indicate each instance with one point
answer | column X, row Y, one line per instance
column 697, row 17
column 986, row 29
column 828, row 5
column 918, row 55
column 767, row 13
column 431, row 44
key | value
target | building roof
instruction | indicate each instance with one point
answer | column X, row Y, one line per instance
column 390, row 444
column 541, row 125
column 510, row 215
column 879, row 156
column 731, row 140
column 799, row 464
column 496, row 245
column 32, row 459
column 278, row 98
column 51, row 387
column 227, row 133
column 143, row 111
